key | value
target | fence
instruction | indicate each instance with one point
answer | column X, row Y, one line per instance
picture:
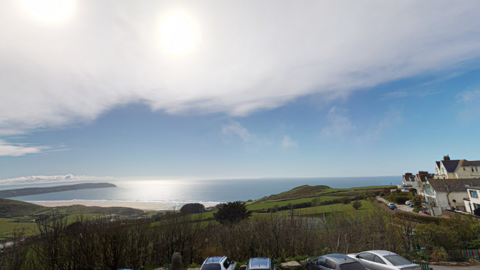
column 464, row 253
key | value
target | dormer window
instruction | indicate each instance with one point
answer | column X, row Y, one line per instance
column 473, row 170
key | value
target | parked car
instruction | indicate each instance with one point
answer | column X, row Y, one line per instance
column 392, row 206
column 384, row 260
column 412, row 206
column 334, row 261
column 218, row 263
column 408, row 203
column 261, row 264
column 423, row 213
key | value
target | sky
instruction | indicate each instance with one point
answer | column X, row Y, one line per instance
column 230, row 89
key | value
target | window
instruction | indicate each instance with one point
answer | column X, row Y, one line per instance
column 366, row 256
column 226, row 263
column 378, row 260
column 325, row 263
column 211, row 266
column 397, row 260
column 474, row 194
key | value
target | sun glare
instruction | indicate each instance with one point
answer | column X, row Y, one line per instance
column 49, row 10
column 177, row 34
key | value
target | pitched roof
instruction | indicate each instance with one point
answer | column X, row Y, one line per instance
column 467, row 163
column 450, row 165
column 454, row 185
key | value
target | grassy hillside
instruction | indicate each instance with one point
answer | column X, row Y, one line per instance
column 11, row 208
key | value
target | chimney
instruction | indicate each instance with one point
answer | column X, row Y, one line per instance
column 446, row 158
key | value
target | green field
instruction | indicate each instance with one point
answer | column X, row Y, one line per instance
column 270, row 204
column 7, row 227
column 366, row 208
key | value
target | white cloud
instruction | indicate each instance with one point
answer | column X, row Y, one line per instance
column 236, row 129
column 249, row 56
column 10, row 149
column 35, row 179
column 287, row 143
column 338, row 124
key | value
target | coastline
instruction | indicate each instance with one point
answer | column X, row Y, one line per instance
column 146, row 206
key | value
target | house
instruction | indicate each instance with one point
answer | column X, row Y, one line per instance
column 456, row 169
column 410, row 180
column 472, row 203
column 442, row 194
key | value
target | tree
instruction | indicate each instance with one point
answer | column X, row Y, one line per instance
column 232, row 212
column 356, row 205
column 192, row 208
column 346, row 200
column 417, row 203
column 413, row 191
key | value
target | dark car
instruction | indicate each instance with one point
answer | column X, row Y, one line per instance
column 261, row 264
column 334, row 261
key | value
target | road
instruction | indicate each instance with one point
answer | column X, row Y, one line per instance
column 402, row 207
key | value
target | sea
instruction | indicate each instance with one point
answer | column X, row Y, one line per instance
column 180, row 192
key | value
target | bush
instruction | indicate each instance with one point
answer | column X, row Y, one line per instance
column 356, row 205
column 176, row 262
column 346, row 200
column 192, row 208
column 232, row 212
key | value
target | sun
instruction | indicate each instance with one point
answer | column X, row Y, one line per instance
column 49, row 10
column 178, row 34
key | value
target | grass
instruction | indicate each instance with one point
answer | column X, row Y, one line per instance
column 366, row 208
column 8, row 226
column 271, row 204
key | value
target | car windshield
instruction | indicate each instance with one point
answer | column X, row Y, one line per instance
column 397, row 260
column 211, row 266
column 351, row 266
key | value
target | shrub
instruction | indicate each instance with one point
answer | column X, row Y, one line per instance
column 192, row 208
column 356, row 205
column 176, row 262
column 232, row 212
column 346, row 200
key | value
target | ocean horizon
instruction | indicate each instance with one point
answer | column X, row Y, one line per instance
column 180, row 192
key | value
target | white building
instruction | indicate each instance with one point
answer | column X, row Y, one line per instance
column 457, row 169
column 442, row 194
column 473, row 202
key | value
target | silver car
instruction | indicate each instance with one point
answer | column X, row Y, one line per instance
column 384, row 260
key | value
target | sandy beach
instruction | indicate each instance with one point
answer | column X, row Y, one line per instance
column 146, row 206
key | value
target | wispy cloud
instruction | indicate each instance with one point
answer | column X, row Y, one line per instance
column 390, row 119
column 12, row 149
column 58, row 74
column 234, row 128
column 338, row 124
column 467, row 102
column 35, row 179
column 288, row 143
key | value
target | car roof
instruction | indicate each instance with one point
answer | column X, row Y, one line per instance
column 255, row 263
column 339, row 258
column 382, row 252
column 216, row 259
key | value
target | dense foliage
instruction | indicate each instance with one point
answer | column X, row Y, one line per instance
column 109, row 243
column 232, row 212
column 192, row 208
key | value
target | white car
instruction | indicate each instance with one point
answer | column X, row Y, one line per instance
column 408, row 203
column 383, row 260
column 218, row 263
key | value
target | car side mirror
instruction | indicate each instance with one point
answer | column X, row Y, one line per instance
column 358, row 257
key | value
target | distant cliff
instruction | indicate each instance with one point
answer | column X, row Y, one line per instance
column 34, row 191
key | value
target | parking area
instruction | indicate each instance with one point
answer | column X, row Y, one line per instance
column 402, row 207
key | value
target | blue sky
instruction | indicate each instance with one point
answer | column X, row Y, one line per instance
column 365, row 105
